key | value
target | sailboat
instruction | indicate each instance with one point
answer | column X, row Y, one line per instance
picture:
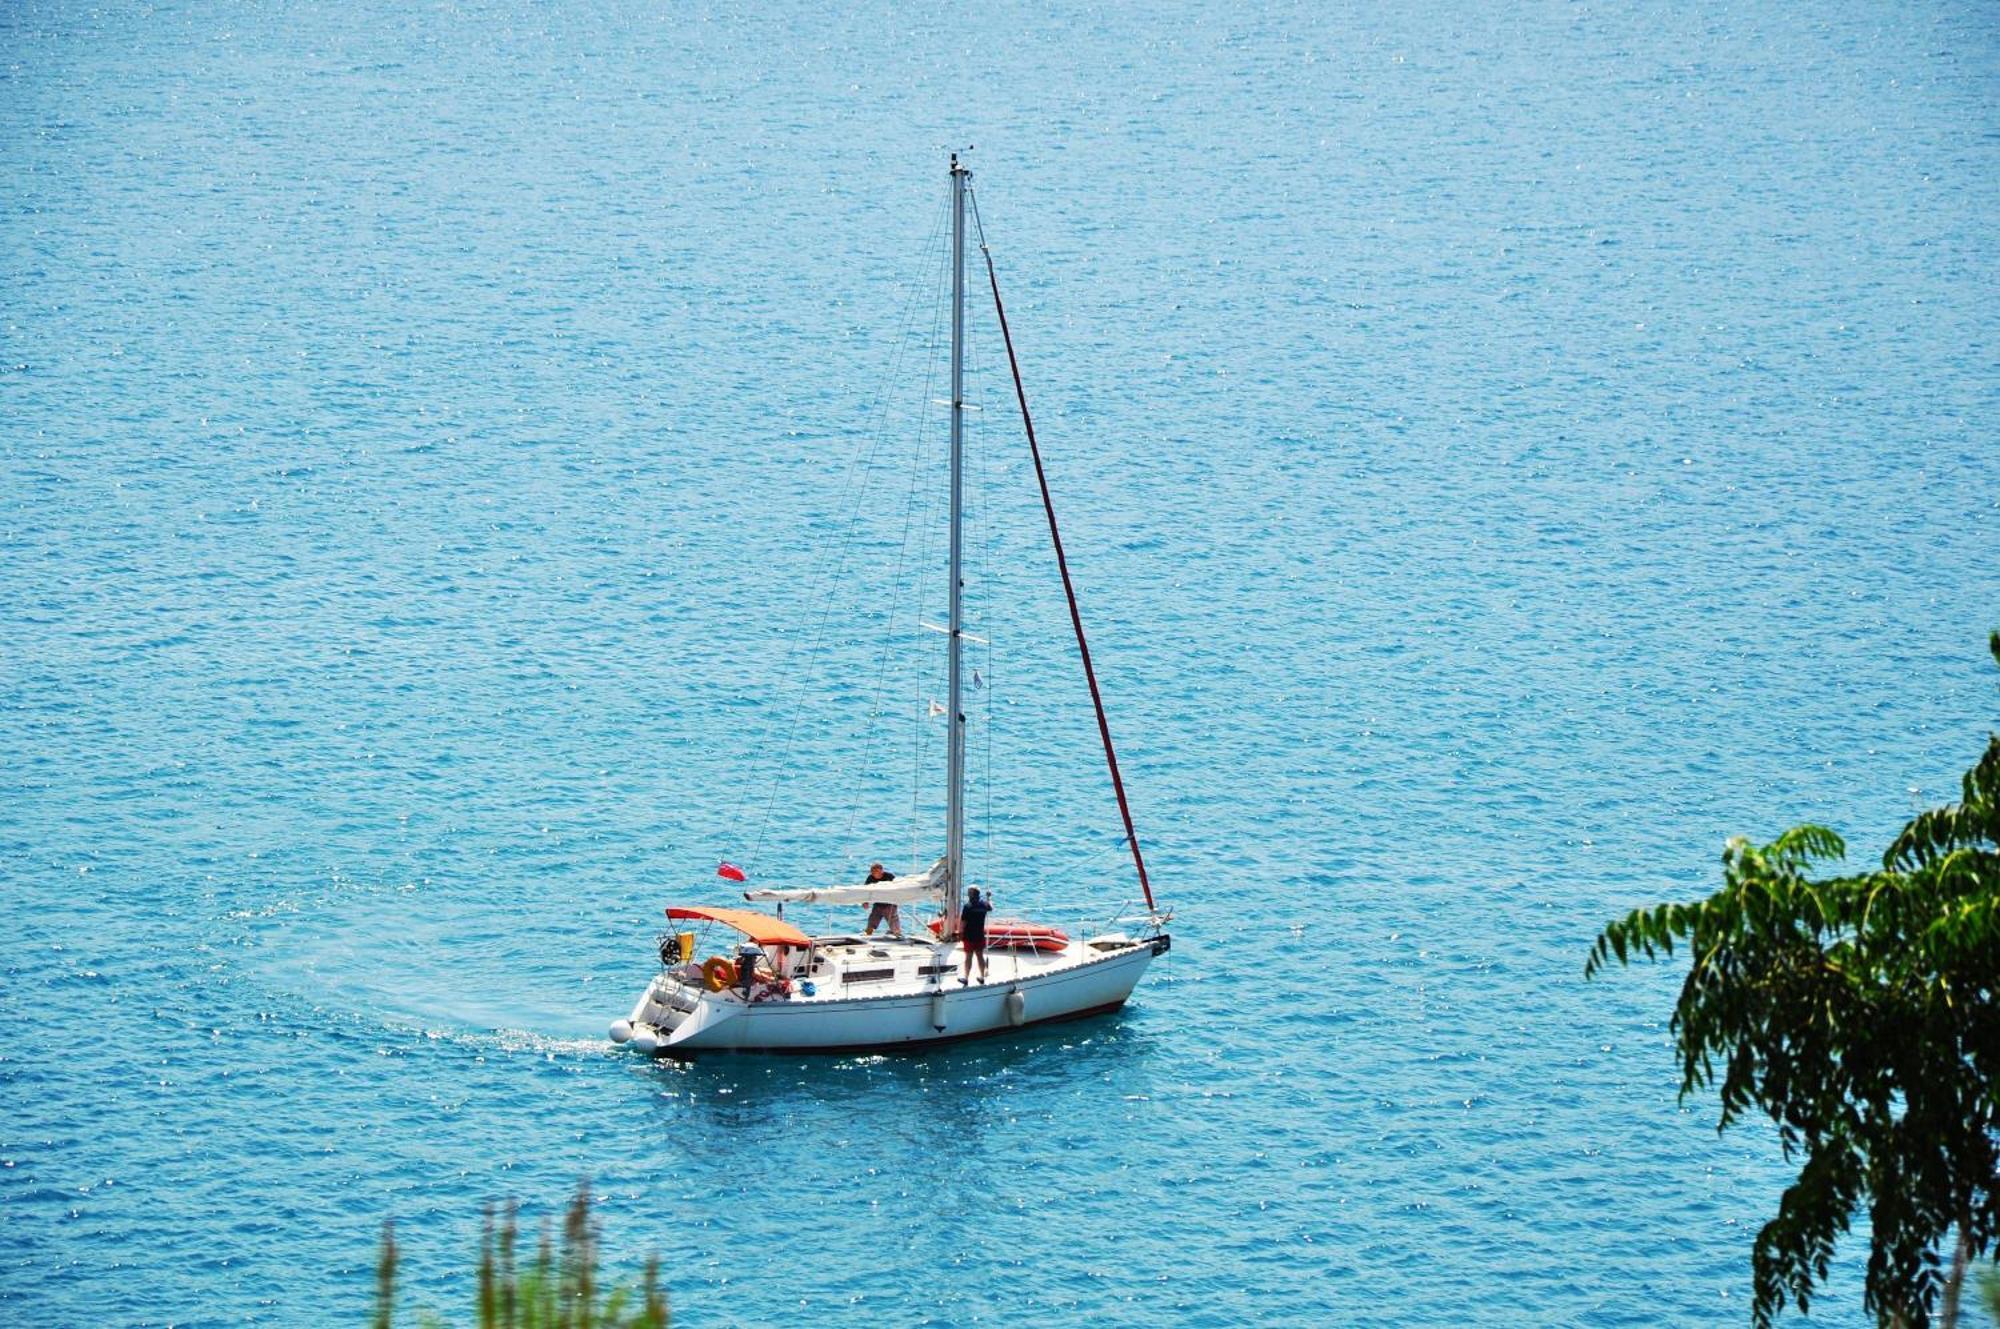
column 786, row 990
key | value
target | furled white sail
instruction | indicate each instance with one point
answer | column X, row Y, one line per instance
column 925, row 887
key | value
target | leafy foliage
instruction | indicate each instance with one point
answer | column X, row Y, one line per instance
column 1862, row 1015
column 553, row 1292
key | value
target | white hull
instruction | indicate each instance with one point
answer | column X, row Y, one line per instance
column 913, row 1008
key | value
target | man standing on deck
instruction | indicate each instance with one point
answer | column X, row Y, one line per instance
column 972, row 932
column 882, row 911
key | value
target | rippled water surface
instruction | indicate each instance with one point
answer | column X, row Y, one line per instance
column 446, row 503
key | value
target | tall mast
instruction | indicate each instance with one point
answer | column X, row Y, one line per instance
column 954, row 817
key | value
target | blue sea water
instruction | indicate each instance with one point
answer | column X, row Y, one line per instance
column 455, row 486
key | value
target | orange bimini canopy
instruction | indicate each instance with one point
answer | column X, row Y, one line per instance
column 760, row 928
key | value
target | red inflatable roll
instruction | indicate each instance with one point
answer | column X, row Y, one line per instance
column 1017, row 934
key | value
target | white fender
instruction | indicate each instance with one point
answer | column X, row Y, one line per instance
column 937, row 1010
column 621, row 1031
column 646, row 1041
column 1017, row 1008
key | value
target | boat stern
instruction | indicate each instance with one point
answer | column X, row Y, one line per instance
column 663, row 1009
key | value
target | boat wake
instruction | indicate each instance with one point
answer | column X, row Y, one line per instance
column 431, row 981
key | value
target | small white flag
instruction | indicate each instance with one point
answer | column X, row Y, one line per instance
column 937, row 707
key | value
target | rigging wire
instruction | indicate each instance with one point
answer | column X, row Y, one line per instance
column 1062, row 562
column 856, row 474
column 984, row 548
column 938, row 496
column 879, row 690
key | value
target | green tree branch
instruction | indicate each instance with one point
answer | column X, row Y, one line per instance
column 1861, row 1014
